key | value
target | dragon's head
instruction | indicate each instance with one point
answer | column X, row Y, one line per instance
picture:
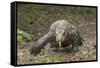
column 60, row 37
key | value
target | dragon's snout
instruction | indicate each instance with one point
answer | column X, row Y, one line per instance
column 60, row 38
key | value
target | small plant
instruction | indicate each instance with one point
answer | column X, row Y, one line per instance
column 22, row 36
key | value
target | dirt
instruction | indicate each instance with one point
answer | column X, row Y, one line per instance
column 87, row 51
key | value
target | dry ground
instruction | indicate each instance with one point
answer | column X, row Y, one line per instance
column 85, row 53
